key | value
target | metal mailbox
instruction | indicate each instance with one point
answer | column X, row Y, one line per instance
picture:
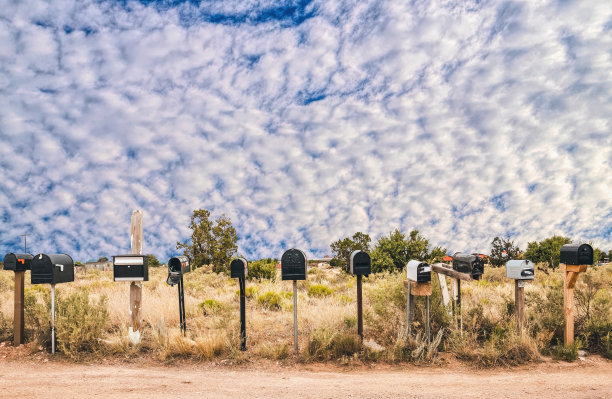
column 470, row 264
column 239, row 268
column 52, row 269
column 294, row 265
column 177, row 266
column 520, row 269
column 17, row 262
column 418, row 271
column 130, row 267
column 577, row 254
column 360, row 263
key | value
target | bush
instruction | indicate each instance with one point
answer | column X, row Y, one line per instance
column 80, row 323
column 212, row 307
column 327, row 344
column 270, row 300
column 319, row 290
column 264, row 269
column 568, row 353
column 37, row 315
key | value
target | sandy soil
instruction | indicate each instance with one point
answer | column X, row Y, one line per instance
column 36, row 376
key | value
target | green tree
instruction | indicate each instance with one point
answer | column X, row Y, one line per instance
column 342, row 249
column 153, row 261
column 502, row 250
column 546, row 251
column 210, row 243
column 103, row 259
column 392, row 252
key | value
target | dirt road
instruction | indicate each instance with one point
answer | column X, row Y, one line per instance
column 591, row 378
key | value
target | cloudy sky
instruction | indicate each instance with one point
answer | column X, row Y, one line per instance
column 304, row 121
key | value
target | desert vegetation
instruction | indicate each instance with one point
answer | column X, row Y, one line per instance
column 92, row 318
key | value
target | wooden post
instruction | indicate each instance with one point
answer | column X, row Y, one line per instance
column 359, row 309
column 409, row 305
column 416, row 289
column 135, row 287
column 18, row 323
column 444, row 291
column 459, row 304
column 519, row 304
column 571, row 276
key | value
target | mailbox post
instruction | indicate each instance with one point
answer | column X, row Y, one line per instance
column 360, row 265
column 178, row 266
column 520, row 271
column 18, row 263
column 294, row 266
column 52, row 269
column 239, row 268
column 418, row 284
column 575, row 258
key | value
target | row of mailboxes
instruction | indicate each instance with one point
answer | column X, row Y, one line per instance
column 469, row 264
column 45, row 269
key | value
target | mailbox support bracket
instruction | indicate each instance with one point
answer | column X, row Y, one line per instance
column 413, row 289
column 571, row 276
column 18, row 314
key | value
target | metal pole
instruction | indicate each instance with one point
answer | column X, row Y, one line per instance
column 427, row 309
column 459, row 305
column 295, row 320
column 408, row 311
column 52, row 318
column 183, row 303
column 359, row 309
column 242, row 283
column 181, row 306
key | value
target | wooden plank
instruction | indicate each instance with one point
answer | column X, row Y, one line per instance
column 444, row 291
column 576, row 268
column 18, row 317
column 136, row 288
column 443, row 268
column 409, row 306
column 519, row 304
column 420, row 289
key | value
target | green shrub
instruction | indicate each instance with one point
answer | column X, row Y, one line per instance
column 264, row 269
column 270, row 300
column 37, row 315
column 212, row 307
column 80, row 323
column 568, row 353
column 319, row 290
column 327, row 344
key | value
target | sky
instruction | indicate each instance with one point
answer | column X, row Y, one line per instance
column 304, row 122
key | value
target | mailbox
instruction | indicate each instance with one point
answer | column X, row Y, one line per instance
column 294, row 265
column 470, row 264
column 520, row 269
column 577, row 254
column 418, row 271
column 130, row 267
column 177, row 266
column 239, row 268
column 52, row 269
column 360, row 263
column 17, row 262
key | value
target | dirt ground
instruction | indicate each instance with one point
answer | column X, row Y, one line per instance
column 27, row 375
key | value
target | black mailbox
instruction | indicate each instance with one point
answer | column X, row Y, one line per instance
column 52, row 269
column 130, row 267
column 577, row 254
column 360, row 263
column 470, row 264
column 17, row 262
column 239, row 268
column 177, row 266
column 294, row 265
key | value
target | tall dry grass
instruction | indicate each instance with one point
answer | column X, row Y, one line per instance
column 326, row 318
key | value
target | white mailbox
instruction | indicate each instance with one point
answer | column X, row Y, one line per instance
column 418, row 271
column 520, row 269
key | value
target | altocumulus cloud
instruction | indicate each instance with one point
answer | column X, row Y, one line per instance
column 304, row 121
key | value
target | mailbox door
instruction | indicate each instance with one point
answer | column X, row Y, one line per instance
column 63, row 268
column 42, row 270
column 294, row 265
column 130, row 268
column 423, row 273
column 237, row 268
column 361, row 263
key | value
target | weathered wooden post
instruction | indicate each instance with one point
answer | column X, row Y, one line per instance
column 239, row 268
column 360, row 264
column 294, row 266
column 574, row 259
column 520, row 271
column 18, row 263
column 133, row 267
column 418, row 284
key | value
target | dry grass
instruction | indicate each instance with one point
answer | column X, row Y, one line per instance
column 327, row 317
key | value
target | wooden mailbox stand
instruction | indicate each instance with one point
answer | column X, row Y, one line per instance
column 445, row 270
column 519, row 304
column 135, row 287
column 18, row 315
column 571, row 274
column 417, row 289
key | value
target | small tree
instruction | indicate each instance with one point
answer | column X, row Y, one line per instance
column 103, row 259
column 392, row 252
column 342, row 249
column 502, row 250
column 153, row 261
column 546, row 251
column 210, row 244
